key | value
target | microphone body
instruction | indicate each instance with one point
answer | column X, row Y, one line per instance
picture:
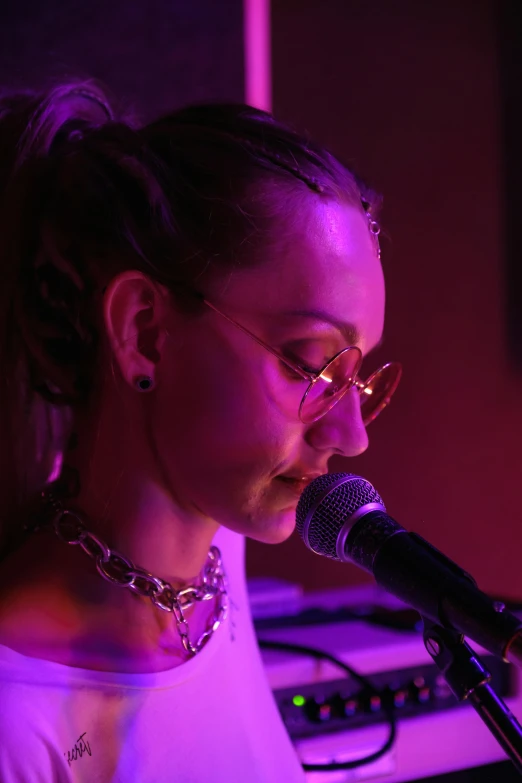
column 343, row 517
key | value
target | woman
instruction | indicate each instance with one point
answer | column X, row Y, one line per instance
column 171, row 296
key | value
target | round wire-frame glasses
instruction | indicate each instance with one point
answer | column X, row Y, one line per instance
column 339, row 374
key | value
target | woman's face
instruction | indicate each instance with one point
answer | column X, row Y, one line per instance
column 225, row 411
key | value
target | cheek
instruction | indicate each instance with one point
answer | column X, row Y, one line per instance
column 226, row 423
column 220, row 438
column 220, row 460
column 220, row 390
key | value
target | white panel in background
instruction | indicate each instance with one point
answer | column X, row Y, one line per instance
column 258, row 76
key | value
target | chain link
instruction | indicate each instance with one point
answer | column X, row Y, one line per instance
column 121, row 571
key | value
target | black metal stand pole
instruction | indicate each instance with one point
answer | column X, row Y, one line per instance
column 469, row 680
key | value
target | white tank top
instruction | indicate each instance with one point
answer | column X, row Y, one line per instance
column 210, row 720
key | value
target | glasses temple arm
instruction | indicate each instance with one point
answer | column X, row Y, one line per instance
column 310, row 377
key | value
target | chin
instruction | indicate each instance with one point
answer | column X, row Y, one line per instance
column 276, row 528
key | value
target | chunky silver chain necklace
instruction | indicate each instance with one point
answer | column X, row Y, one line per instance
column 122, row 572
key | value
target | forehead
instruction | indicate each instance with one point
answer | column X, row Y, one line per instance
column 326, row 261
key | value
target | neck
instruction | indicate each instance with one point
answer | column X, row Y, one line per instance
column 119, row 630
column 116, row 484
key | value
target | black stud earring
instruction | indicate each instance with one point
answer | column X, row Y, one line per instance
column 144, row 383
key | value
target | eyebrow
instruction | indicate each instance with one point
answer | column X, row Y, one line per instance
column 349, row 331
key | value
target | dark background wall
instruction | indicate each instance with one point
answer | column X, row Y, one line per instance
column 414, row 95
column 155, row 55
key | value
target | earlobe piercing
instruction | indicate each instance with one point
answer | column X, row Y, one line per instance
column 144, row 383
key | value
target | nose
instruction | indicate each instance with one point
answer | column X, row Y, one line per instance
column 341, row 430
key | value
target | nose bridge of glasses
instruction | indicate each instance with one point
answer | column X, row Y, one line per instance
column 346, row 411
column 375, row 392
column 361, row 386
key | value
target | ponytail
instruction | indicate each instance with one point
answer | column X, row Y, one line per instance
column 33, row 427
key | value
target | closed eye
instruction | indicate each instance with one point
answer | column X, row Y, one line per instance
column 314, row 348
column 293, row 374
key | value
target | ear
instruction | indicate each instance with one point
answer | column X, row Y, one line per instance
column 134, row 310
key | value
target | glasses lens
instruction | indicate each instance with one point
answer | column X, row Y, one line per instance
column 336, row 378
column 378, row 390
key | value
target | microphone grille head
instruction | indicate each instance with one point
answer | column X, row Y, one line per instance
column 324, row 506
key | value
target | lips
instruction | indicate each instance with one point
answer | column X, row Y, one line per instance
column 299, row 481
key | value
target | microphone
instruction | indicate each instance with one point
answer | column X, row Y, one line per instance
column 343, row 517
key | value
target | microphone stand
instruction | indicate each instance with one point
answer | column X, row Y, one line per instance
column 468, row 679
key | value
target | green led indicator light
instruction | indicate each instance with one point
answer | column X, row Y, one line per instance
column 298, row 701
